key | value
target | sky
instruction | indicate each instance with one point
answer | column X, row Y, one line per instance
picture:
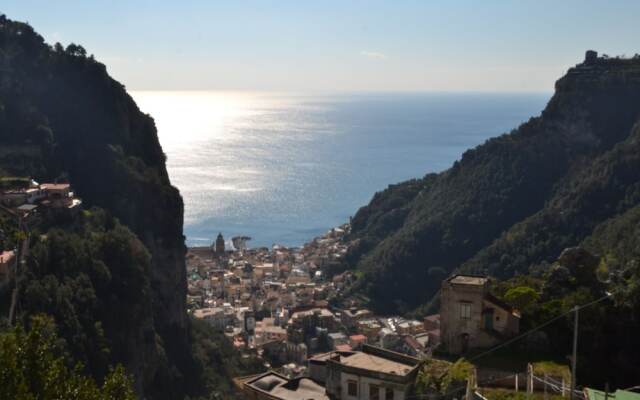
column 326, row 45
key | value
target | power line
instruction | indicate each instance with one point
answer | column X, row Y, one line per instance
column 537, row 328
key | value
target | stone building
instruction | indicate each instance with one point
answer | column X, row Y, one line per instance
column 471, row 317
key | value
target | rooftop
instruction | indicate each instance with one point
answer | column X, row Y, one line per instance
column 468, row 280
column 280, row 387
column 376, row 363
column 207, row 312
column 55, row 186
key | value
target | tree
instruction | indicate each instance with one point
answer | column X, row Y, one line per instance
column 76, row 50
column 521, row 297
column 32, row 367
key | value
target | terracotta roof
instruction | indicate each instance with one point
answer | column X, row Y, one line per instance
column 358, row 338
column 411, row 341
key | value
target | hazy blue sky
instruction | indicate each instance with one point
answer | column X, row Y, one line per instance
column 337, row 45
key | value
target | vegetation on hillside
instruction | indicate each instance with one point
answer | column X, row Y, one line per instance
column 113, row 279
column 442, row 379
column 508, row 208
column 33, row 366
column 512, row 203
column 218, row 362
column 607, row 352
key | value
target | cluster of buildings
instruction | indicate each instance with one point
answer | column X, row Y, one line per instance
column 368, row 373
column 278, row 304
column 23, row 200
column 28, row 197
column 283, row 289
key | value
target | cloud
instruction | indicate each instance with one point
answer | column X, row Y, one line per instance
column 373, row 54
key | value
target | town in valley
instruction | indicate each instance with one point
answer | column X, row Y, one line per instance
column 284, row 306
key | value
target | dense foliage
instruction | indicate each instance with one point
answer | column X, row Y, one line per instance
column 218, row 362
column 92, row 278
column 608, row 352
column 116, row 291
column 32, row 366
column 442, row 379
column 512, row 203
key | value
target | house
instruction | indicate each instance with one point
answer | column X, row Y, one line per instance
column 373, row 373
column 58, row 194
column 337, row 339
column 410, row 327
column 351, row 317
column 471, row 317
column 218, row 317
column 389, row 339
column 369, row 328
column 412, row 347
column 267, row 330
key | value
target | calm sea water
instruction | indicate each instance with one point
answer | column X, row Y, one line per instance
column 283, row 168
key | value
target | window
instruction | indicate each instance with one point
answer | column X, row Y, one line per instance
column 374, row 392
column 465, row 311
column 388, row 394
column 352, row 388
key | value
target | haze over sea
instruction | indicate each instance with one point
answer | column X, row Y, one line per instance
column 284, row 168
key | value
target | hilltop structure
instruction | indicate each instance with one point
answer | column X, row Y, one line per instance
column 471, row 317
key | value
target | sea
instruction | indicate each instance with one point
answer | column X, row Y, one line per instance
column 283, row 168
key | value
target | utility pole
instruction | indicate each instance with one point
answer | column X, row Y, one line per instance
column 574, row 359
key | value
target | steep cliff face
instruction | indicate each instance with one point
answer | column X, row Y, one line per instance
column 63, row 116
column 415, row 233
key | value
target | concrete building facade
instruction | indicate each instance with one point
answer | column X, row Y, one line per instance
column 471, row 317
column 373, row 373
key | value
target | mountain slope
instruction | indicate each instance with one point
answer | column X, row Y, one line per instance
column 62, row 116
column 443, row 221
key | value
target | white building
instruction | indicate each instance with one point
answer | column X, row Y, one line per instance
column 373, row 373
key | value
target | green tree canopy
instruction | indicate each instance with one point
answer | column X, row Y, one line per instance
column 32, row 367
column 521, row 297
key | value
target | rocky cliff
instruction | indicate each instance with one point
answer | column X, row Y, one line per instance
column 63, row 117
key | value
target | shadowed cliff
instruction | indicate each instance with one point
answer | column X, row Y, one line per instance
column 63, row 117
